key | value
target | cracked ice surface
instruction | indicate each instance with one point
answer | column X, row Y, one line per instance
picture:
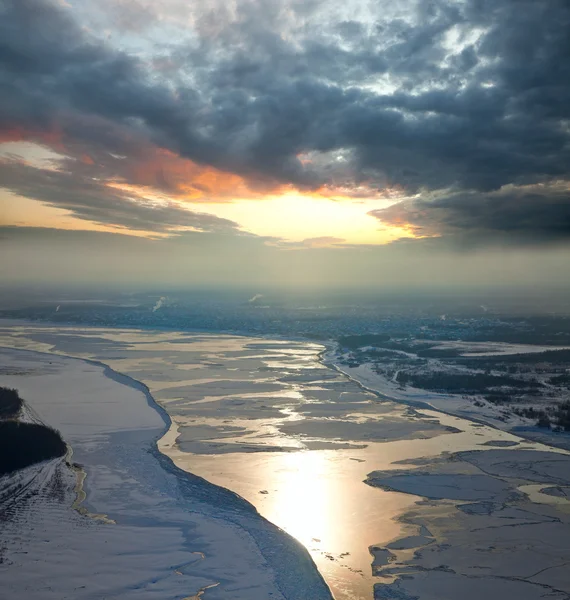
column 490, row 539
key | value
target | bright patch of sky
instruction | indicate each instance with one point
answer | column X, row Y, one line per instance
column 34, row 154
column 296, row 218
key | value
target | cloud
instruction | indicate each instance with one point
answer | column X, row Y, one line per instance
column 92, row 200
column 322, row 242
column 99, row 148
column 470, row 96
column 522, row 215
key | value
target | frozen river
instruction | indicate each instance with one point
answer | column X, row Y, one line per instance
column 143, row 529
column 409, row 503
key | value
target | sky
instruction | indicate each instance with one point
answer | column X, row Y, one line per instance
column 315, row 141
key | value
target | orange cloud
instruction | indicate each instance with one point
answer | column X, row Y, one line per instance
column 52, row 137
column 14, row 134
column 147, row 166
column 158, row 170
column 186, row 180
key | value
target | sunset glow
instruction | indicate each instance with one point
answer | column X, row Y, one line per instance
column 329, row 215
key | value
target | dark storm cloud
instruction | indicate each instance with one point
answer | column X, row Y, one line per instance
column 526, row 216
column 94, row 201
column 256, row 87
column 49, row 65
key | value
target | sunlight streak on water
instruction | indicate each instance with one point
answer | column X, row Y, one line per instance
column 304, row 504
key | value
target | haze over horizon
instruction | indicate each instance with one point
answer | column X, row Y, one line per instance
column 296, row 143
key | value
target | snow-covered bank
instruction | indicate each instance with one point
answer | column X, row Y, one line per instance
column 451, row 404
column 167, row 535
column 519, row 388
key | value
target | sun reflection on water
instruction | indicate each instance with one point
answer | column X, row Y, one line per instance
column 304, row 504
column 318, row 497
